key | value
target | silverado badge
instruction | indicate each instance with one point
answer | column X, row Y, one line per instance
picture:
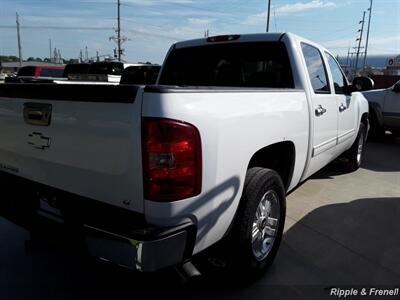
column 38, row 140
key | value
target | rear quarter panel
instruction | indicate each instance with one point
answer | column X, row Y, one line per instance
column 233, row 126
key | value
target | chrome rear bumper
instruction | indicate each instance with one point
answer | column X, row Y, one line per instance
column 146, row 252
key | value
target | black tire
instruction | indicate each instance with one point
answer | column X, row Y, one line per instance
column 353, row 156
column 259, row 182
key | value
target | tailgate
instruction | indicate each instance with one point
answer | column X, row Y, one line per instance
column 84, row 139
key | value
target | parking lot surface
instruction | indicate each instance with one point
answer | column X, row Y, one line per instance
column 341, row 230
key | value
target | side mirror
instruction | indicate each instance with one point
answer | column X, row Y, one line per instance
column 396, row 88
column 362, row 84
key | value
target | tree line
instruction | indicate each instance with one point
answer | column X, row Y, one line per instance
column 13, row 58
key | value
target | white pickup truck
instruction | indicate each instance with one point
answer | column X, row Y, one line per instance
column 156, row 174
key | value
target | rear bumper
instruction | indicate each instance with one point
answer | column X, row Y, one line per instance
column 146, row 253
column 113, row 234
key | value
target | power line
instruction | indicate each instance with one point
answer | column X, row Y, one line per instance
column 56, row 27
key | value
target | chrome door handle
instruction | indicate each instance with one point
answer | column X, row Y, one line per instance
column 319, row 111
column 342, row 107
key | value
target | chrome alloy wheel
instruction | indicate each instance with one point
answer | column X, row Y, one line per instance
column 265, row 225
column 360, row 148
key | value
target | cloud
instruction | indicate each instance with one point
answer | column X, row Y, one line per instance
column 288, row 9
column 200, row 21
column 300, row 6
column 157, row 2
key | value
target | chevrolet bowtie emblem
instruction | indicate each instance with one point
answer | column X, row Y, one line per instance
column 38, row 141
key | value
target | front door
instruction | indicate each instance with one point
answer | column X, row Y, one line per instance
column 325, row 109
column 325, row 112
column 347, row 121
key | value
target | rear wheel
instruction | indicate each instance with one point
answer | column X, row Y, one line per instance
column 258, row 226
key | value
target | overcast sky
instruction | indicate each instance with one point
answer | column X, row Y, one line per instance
column 153, row 25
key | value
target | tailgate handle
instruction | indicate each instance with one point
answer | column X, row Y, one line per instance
column 37, row 113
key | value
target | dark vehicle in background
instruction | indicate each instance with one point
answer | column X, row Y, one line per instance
column 105, row 71
column 112, row 72
column 384, row 108
column 37, row 74
column 72, row 70
column 140, row 74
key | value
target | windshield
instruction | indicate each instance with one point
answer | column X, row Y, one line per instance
column 255, row 64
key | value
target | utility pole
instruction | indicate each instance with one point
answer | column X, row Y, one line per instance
column 118, row 39
column 359, row 42
column 119, row 29
column 19, row 42
column 268, row 14
column 206, row 33
column 366, row 42
column 86, row 54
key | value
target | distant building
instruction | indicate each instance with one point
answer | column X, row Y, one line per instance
column 393, row 65
column 13, row 67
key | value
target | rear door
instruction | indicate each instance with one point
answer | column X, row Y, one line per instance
column 347, row 120
column 325, row 113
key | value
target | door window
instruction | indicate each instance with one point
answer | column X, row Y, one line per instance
column 339, row 81
column 316, row 69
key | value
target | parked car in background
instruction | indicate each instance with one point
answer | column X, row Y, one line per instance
column 152, row 175
column 384, row 106
column 111, row 72
column 37, row 74
column 105, row 71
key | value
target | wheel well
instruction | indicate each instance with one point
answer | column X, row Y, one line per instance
column 279, row 157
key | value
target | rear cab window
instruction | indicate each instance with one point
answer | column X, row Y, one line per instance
column 316, row 69
column 250, row 64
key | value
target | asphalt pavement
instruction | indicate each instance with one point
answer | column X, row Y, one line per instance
column 342, row 230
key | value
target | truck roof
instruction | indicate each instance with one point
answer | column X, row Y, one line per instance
column 253, row 37
column 231, row 38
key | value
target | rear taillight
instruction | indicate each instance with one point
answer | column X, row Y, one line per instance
column 171, row 159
